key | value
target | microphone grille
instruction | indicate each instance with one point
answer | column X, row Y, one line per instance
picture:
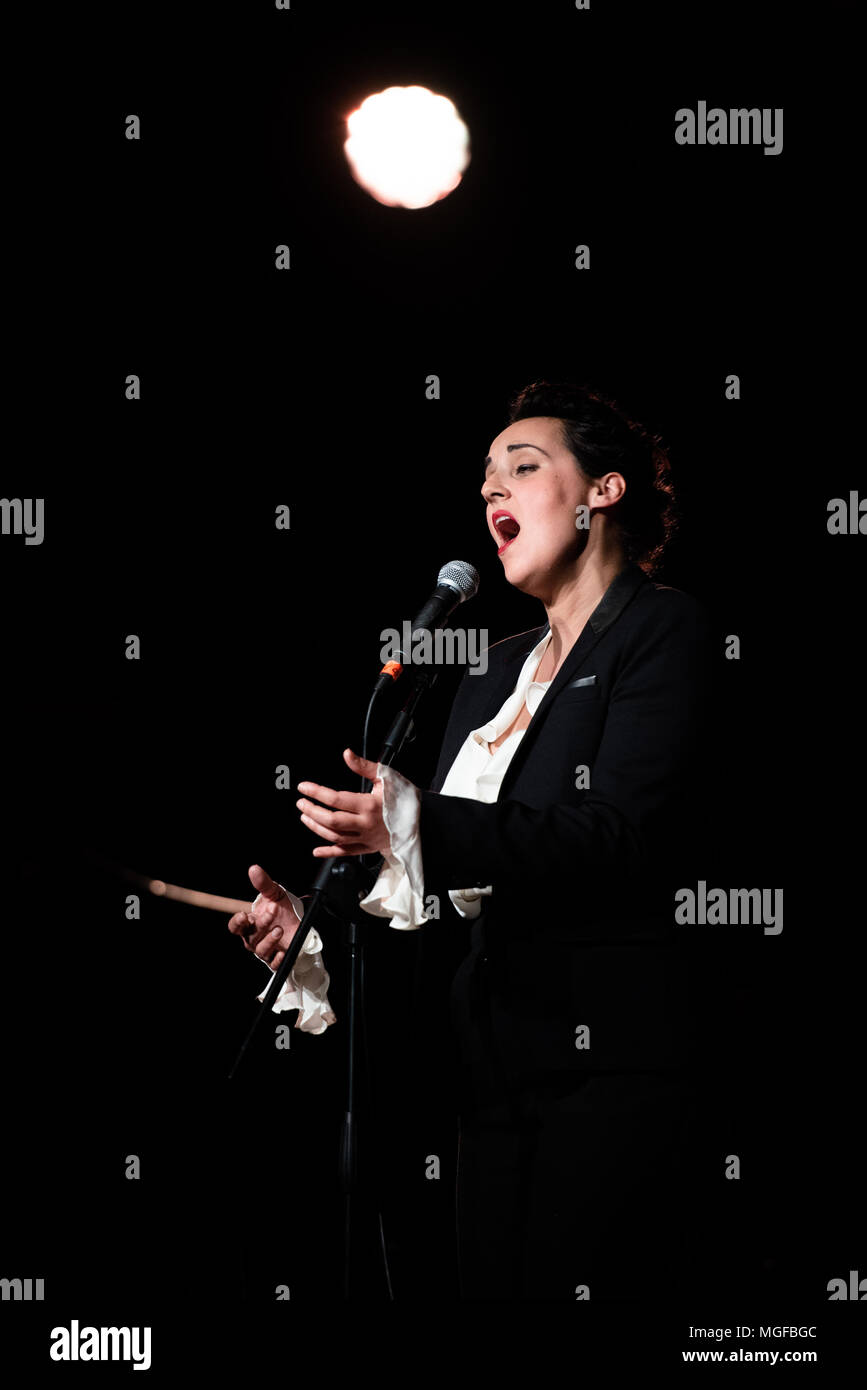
column 460, row 575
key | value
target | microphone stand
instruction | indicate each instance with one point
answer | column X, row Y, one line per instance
column 337, row 885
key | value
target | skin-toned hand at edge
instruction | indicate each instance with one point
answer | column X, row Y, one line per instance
column 353, row 824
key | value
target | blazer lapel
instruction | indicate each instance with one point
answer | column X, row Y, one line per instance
column 619, row 593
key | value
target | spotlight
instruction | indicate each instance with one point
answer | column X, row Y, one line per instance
column 407, row 146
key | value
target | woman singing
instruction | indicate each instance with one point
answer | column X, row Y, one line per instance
column 560, row 818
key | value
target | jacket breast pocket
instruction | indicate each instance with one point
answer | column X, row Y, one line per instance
column 575, row 696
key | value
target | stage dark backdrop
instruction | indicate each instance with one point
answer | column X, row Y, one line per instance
column 307, row 388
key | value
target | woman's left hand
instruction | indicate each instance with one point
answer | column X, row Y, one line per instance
column 355, row 825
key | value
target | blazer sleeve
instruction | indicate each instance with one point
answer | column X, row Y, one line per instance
column 651, row 740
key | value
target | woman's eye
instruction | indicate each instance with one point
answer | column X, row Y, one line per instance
column 531, row 466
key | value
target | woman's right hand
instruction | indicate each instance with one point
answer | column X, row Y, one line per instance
column 267, row 928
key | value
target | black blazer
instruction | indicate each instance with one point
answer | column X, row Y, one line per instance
column 579, row 929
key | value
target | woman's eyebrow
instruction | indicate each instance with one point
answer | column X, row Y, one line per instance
column 510, row 448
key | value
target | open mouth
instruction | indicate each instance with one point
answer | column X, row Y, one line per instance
column 506, row 527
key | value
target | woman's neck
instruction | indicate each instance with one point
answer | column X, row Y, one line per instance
column 576, row 599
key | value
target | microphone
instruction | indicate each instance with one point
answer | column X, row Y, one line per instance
column 456, row 582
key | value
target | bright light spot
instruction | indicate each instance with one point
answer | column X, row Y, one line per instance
column 407, row 146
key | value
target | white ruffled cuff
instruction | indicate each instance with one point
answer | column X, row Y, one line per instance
column 398, row 892
column 306, row 986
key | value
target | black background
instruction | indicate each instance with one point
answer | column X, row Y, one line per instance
column 307, row 388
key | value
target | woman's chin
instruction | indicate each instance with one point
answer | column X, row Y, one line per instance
column 520, row 577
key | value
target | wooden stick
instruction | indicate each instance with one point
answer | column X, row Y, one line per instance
column 189, row 895
column 160, row 889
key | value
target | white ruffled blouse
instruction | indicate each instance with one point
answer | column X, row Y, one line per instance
column 398, row 892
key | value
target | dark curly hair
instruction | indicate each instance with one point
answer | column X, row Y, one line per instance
column 603, row 439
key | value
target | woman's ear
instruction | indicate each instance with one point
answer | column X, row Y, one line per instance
column 609, row 489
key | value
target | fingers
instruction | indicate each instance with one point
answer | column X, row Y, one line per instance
column 257, row 930
column 353, row 802
column 332, row 825
column 355, row 842
column 363, row 766
column 264, row 884
column 240, row 922
column 268, row 945
column 364, row 843
column 350, row 821
column 345, row 801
